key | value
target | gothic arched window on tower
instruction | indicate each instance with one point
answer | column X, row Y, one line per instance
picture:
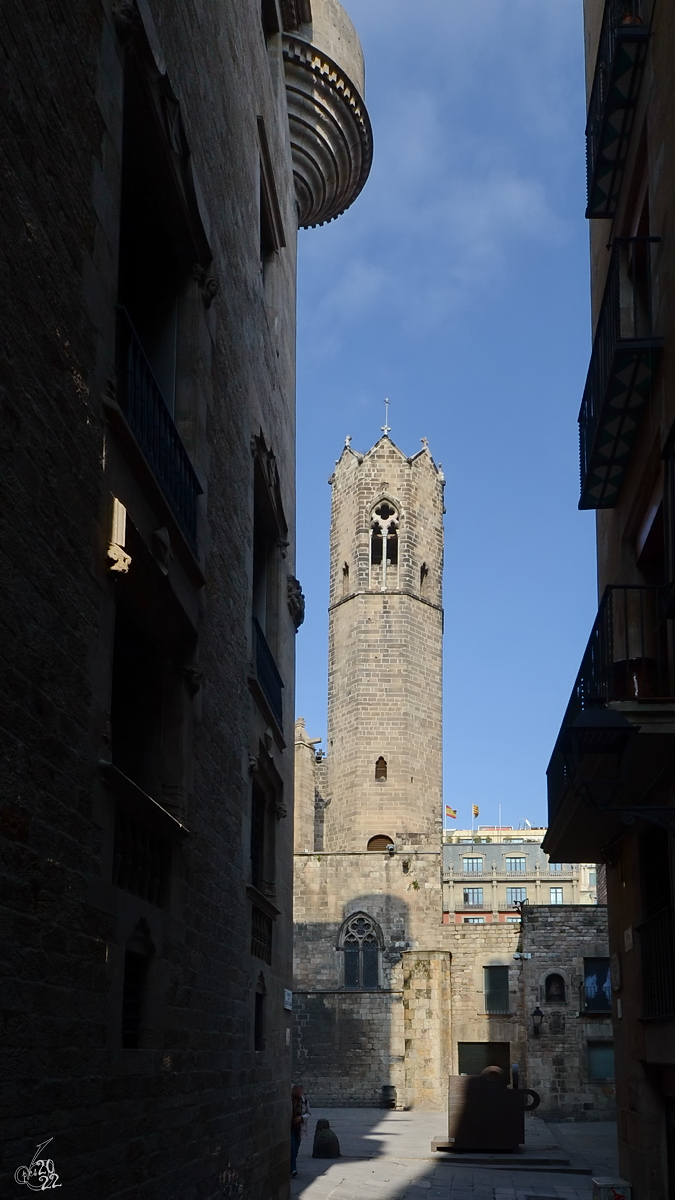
column 381, row 768
column 384, row 546
column 361, row 942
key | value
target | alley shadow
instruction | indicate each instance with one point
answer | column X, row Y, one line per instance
column 387, row 1156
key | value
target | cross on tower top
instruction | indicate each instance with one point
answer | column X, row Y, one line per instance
column 386, row 428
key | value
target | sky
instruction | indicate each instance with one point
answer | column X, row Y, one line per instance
column 457, row 285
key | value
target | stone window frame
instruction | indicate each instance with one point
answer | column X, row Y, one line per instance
column 342, row 937
column 567, row 980
column 397, row 520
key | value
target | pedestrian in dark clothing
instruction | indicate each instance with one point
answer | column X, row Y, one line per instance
column 297, row 1111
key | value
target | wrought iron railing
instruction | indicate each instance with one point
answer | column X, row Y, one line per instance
column 616, row 84
column 267, row 673
column 657, row 945
column 625, row 352
column 145, row 409
column 627, row 657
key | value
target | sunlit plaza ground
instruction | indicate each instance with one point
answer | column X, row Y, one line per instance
column 387, row 1156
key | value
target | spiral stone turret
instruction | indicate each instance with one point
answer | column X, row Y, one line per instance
column 331, row 136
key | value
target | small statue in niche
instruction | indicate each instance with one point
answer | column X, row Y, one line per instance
column 296, row 601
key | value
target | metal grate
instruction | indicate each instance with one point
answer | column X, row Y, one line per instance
column 261, row 935
column 624, row 356
column 658, row 965
column 267, row 673
column 616, row 84
column 144, row 407
column 141, row 860
column 626, row 658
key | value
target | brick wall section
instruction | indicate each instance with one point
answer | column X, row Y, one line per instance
column 200, row 1115
column 558, row 939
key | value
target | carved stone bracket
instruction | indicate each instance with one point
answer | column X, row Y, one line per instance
column 208, row 284
column 296, row 601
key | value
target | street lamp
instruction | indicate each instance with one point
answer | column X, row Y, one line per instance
column 537, row 1018
column 600, row 744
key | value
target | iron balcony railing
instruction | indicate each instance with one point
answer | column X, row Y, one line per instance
column 151, row 423
column 267, row 673
column 657, row 946
column 594, row 999
column 616, row 84
column 623, row 359
column 627, row 657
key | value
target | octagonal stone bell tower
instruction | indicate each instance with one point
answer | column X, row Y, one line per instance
column 384, row 752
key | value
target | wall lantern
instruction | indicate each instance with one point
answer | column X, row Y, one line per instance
column 537, row 1018
column 600, row 745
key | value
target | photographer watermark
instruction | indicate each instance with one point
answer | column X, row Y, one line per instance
column 40, row 1175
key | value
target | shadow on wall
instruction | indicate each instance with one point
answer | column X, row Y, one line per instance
column 347, row 1003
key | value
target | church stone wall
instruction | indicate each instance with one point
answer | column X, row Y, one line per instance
column 348, row 1046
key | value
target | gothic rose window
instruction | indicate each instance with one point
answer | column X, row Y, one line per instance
column 361, row 941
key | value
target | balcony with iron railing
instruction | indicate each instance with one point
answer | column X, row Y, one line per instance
column 616, row 84
column 151, row 423
column 628, row 657
column 267, row 673
column 624, row 357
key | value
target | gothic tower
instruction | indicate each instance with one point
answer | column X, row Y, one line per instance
column 384, row 763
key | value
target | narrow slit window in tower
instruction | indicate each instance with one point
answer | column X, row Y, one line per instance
column 381, row 768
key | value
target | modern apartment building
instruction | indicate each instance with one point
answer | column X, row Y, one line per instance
column 611, row 778
column 490, row 873
column 158, row 160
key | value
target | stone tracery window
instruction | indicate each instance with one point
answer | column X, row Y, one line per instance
column 384, row 524
column 361, row 941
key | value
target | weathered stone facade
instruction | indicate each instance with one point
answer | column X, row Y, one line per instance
column 390, row 989
column 559, row 1061
column 147, row 371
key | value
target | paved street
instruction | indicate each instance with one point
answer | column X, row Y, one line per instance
column 387, row 1156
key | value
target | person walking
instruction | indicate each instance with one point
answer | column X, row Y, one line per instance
column 297, row 1113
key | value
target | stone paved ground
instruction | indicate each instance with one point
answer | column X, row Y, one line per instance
column 387, row 1156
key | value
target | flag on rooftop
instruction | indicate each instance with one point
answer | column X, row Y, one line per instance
column 476, row 810
column 451, row 812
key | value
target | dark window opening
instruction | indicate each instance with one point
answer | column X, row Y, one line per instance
column 259, row 1016
column 424, row 576
column 597, row 986
column 657, row 935
column 157, row 249
column 381, row 768
column 261, row 935
column 376, row 545
column 474, row 1057
column 496, row 986
column 361, row 948
column 264, row 799
column 392, row 545
column 136, row 702
column 141, row 860
column 600, row 1060
column 345, row 579
column 137, row 957
column 379, row 842
column 555, row 990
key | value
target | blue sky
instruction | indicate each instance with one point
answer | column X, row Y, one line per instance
column 457, row 285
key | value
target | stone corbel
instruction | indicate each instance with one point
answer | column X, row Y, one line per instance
column 296, row 601
column 118, row 559
column 193, row 678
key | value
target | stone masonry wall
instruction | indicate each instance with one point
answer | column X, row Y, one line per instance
column 558, row 938
column 384, row 687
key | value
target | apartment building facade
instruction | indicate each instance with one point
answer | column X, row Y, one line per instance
column 489, row 874
column 611, row 778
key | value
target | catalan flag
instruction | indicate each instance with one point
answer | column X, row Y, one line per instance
column 475, row 810
column 451, row 812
